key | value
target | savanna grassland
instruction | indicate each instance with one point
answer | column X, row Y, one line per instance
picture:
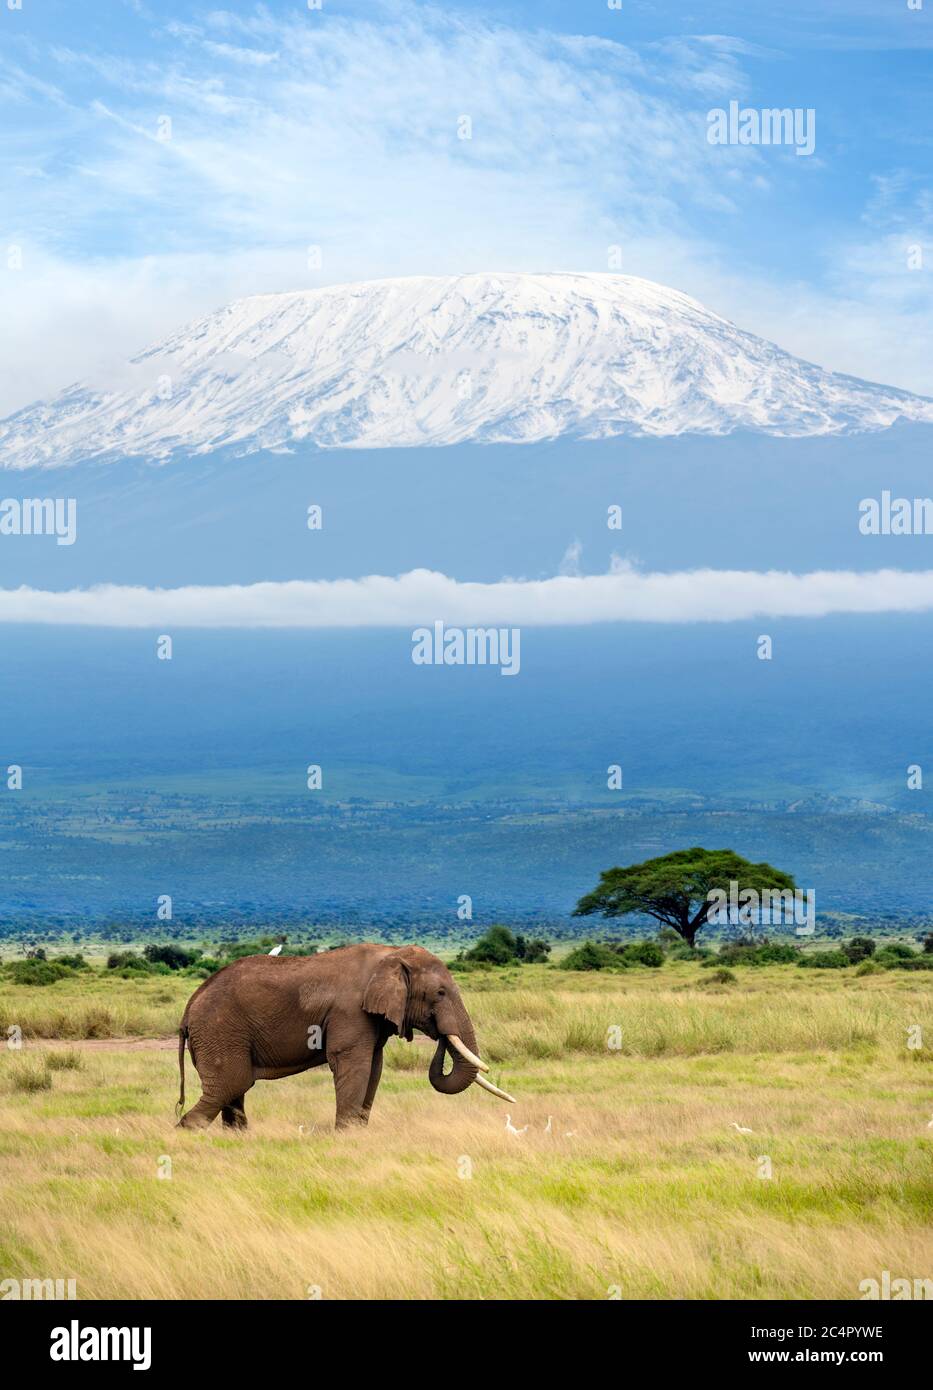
column 643, row 1188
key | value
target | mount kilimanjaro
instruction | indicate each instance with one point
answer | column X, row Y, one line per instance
column 421, row 361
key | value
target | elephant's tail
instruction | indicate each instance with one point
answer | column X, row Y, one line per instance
column 182, row 1035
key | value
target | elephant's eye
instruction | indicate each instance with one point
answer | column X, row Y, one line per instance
column 441, row 992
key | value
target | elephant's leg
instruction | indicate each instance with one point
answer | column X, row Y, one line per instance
column 375, row 1075
column 221, row 1090
column 200, row 1115
column 234, row 1114
column 352, row 1068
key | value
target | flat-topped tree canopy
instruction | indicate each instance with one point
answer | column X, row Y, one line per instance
column 674, row 889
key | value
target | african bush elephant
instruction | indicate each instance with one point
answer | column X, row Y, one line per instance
column 264, row 1017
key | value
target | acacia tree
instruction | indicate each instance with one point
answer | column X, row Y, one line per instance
column 675, row 888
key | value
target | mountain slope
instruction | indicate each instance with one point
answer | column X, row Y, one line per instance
column 440, row 360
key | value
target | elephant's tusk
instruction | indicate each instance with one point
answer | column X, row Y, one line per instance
column 494, row 1090
column 465, row 1052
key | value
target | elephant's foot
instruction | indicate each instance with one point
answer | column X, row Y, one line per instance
column 187, row 1122
column 200, row 1115
column 359, row 1119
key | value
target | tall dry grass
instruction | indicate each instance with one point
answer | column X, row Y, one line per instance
column 643, row 1187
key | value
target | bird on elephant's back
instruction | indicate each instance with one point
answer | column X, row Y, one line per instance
column 264, row 1017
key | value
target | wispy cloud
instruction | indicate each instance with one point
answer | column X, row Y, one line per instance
column 423, row 596
column 286, row 129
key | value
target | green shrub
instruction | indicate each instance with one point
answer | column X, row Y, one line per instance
column 37, row 972
column 869, row 967
column 591, row 955
column 172, row 956
column 825, row 960
column 893, row 952
column 915, row 963
column 75, row 962
column 733, row 953
column 532, row 950
column 126, row 960
column 642, row 953
column 129, row 965
column 777, row 953
column 681, row 951
column 498, row 946
column 205, row 966
column 859, row 948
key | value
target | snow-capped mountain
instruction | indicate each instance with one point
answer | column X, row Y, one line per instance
column 441, row 360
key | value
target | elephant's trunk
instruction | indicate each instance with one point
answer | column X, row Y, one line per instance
column 463, row 1073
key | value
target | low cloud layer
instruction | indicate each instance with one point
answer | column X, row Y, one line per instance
column 423, row 596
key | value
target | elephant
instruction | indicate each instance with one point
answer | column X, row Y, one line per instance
column 264, row 1017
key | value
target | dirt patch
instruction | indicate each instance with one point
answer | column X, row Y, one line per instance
column 110, row 1044
column 163, row 1044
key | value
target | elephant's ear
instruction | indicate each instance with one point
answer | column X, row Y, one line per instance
column 387, row 993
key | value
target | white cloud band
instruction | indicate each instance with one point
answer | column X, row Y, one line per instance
column 422, row 596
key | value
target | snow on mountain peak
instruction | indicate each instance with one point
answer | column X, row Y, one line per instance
column 432, row 360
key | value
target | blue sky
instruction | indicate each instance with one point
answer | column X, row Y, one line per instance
column 338, row 128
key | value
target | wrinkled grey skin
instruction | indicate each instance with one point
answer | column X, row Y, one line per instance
column 254, row 1021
